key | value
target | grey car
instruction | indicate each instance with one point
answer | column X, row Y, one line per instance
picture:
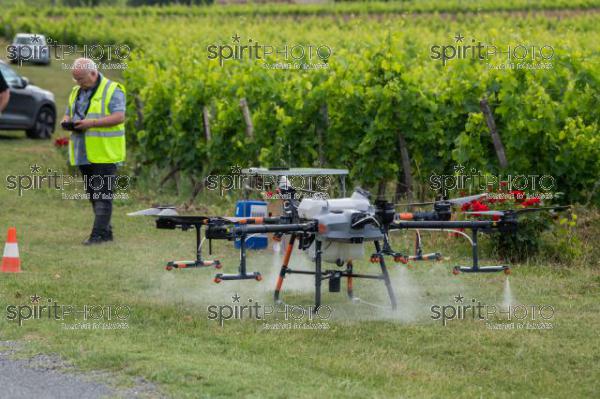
column 29, row 47
column 30, row 108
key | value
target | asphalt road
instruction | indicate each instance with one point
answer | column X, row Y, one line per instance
column 49, row 377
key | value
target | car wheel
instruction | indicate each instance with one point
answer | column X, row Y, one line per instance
column 44, row 124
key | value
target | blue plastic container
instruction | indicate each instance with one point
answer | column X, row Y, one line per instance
column 252, row 209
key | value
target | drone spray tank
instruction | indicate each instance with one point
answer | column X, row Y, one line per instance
column 342, row 241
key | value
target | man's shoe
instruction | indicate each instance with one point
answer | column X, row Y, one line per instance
column 95, row 239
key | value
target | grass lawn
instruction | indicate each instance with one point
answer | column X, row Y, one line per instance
column 367, row 351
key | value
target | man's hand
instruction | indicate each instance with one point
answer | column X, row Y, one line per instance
column 85, row 124
column 107, row 121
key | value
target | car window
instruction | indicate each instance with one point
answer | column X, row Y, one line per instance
column 10, row 76
column 23, row 40
column 30, row 40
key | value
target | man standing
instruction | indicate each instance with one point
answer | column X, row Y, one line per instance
column 4, row 93
column 97, row 145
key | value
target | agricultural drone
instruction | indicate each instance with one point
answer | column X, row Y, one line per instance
column 333, row 231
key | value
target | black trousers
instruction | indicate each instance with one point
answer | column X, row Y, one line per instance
column 99, row 180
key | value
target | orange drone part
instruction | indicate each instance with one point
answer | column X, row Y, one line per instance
column 405, row 216
column 257, row 220
column 401, row 259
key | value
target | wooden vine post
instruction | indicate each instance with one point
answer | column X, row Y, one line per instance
column 249, row 131
column 405, row 185
column 321, row 127
column 489, row 119
column 206, row 123
column 139, row 111
column 198, row 185
column 247, row 118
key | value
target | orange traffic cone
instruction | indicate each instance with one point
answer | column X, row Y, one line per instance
column 10, row 261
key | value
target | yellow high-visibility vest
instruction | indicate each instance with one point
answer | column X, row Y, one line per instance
column 102, row 144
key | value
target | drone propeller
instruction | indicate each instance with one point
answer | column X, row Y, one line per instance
column 170, row 211
column 452, row 201
column 464, row 200
column 155, row 211
column 517, row 211
column 487, row 213
column 417, row 203
column 544, row 208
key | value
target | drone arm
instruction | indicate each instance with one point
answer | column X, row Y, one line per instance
column 223, row 232
column 434, row 224
column 275, row 228
column 260, row 220
column 416, row 216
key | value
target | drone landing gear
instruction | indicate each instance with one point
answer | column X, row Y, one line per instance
column 377, row 257
column 186, row 264
column 482, row 269
column 242, row 275
column 248, row 276
column 435, row 256
column 199, row 262
column 432, row 256
column 476, row 268
column 334, row 276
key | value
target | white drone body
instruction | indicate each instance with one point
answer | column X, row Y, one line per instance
column 336, row 218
